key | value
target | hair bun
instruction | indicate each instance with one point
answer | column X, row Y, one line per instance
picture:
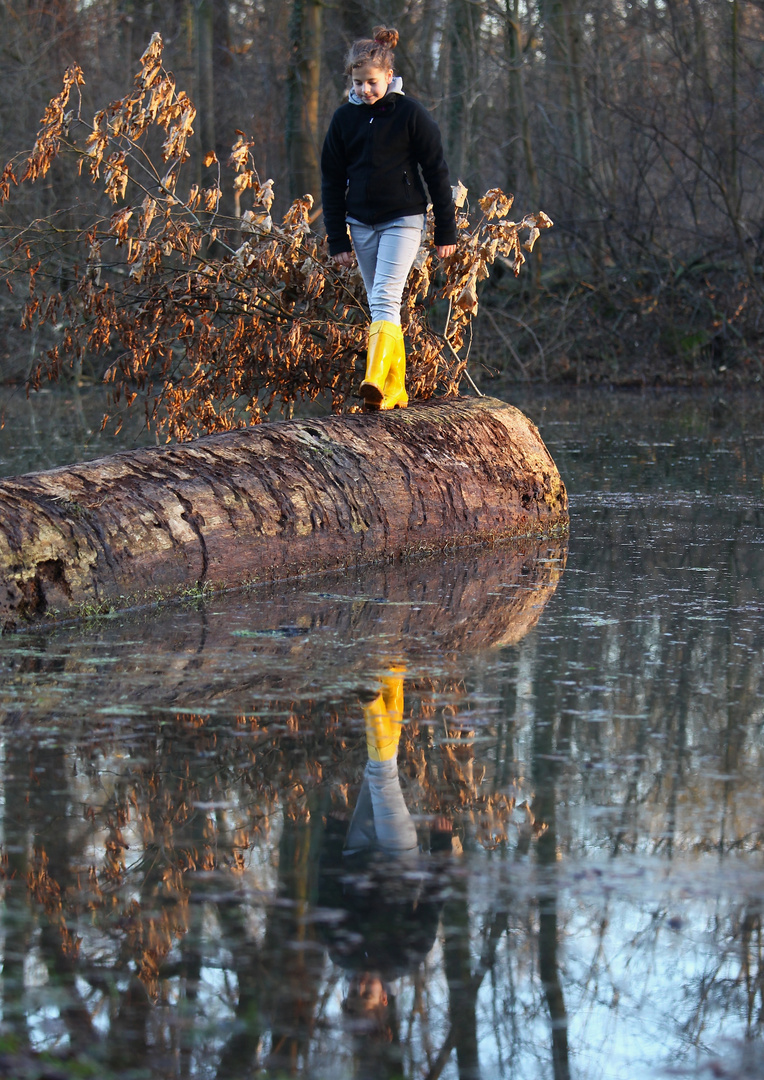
column 386, row 36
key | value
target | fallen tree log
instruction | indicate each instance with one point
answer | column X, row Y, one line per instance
column 274, row 501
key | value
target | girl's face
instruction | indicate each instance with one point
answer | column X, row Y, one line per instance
column 371, row 83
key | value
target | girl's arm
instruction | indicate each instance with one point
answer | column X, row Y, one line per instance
column 333, row 187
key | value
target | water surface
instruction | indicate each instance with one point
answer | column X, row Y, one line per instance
column 580, row 759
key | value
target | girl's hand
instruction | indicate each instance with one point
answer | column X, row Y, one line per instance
column 345, row 258
column 445, row 250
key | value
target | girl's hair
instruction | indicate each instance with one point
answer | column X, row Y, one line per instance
column 376, row 50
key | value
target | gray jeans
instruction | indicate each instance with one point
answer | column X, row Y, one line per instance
column 385, row 254
column 381, row 821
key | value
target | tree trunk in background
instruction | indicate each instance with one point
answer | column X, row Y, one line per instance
column 303, row 83
column 590, row 204
column 278, row 500
column 205, row 82
column 552, row 13
column 427, row 31
column 226, row 104
column 518, row 127
column 563, row 38
column 557, row 149
column 461, row 58
column 733, row 121
column 733, row 178
column 221, row 67
column 582, row 146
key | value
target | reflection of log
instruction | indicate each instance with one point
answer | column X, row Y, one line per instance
column 250, row 648
column 274, row 501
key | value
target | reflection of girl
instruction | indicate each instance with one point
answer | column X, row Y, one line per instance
column 372, row 873
column 370, row 167
column 384, row 917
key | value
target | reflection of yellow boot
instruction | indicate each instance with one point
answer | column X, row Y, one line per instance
column 392, row 693
column 384, row 718
column 384, row 386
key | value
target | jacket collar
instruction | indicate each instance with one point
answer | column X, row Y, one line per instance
column 395, row 87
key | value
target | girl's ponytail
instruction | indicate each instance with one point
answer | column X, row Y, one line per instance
column 387, row 36
column 376, row 50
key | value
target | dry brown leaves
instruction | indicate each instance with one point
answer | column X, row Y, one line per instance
column 211, row 321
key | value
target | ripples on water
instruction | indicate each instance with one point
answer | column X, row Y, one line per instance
column 581, row 759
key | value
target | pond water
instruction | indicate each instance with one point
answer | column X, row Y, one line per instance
column 565, row 877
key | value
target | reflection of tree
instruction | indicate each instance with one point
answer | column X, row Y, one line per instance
column 16, row 924
column 173, row 844
column 551, row 740
column 248, row 1024
column 50, row 879
column 752, row 968
column 173, row 840
column 158, row 874
column 291, row 956
column 665, row 650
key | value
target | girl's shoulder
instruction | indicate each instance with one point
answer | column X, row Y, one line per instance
column 345, row 109
column 416, row 110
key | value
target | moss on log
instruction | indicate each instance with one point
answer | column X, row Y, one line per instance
column 274, row 501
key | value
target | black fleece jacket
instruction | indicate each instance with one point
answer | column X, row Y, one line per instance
column 370, row 168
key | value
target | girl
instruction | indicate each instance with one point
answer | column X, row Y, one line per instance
column 371, row 183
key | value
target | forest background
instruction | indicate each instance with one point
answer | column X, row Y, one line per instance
column 638, row 127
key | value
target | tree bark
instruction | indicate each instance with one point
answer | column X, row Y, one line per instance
column 275, row 501
column 205, row 81
column 303, row 85
column 461, row 58
column 519, row 120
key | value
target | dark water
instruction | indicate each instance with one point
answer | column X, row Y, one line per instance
column 582, row 760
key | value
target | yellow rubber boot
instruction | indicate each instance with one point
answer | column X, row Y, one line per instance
column 382, row 350
column 383, row 718
column 395, row 396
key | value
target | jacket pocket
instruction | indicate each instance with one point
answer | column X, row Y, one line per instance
column 407, row 189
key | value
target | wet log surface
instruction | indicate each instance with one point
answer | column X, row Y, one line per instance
column 271, row 502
